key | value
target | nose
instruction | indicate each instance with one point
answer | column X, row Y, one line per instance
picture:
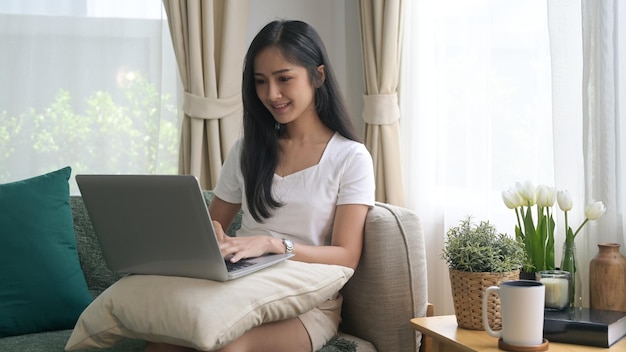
column 273, row 91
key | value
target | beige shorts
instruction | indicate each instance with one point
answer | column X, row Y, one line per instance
column 321, row 323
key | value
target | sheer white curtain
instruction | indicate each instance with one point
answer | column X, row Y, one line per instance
column 91, row 84
column 603, row 94
column 492, row 93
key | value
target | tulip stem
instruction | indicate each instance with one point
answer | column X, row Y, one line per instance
column 519, row 222
column 580, row 227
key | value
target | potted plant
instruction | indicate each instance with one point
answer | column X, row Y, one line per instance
column 478, row 257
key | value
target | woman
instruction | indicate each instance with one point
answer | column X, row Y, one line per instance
column 303, row 181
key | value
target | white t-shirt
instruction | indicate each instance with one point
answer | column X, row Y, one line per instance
column 344, row 175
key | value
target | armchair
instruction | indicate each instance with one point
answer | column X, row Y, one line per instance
column 389, row 286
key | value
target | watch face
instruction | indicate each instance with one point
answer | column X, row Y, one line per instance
column 288, row 246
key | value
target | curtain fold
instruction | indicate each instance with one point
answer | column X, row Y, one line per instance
column 601, row 123
column 209, row 39
column 381, row 36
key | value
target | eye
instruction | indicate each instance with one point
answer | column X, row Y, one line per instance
column 259, row 81
column 284, row 78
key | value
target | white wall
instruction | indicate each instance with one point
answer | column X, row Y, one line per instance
column 337, row 22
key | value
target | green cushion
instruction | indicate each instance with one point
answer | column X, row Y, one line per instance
column 42, row 284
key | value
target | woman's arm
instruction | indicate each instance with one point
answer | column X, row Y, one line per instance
column 345, row 249
column 222, row 214
column 347, row 239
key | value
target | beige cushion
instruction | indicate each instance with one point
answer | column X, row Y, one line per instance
column 203, row 314
column 389, row 287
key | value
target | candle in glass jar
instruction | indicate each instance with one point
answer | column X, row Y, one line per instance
column 557, row 285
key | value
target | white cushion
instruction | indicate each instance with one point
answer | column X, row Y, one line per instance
column 203, row 314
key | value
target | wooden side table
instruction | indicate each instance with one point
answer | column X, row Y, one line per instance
column 447, row 336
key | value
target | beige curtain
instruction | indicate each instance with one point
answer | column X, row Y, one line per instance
column 381, row 37
column 209, row 38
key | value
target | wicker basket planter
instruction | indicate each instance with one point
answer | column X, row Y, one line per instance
column 467, row 294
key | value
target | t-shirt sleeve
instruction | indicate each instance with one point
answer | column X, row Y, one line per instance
column 358, row 185
column 229, row 184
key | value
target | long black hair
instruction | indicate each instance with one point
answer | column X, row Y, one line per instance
column 301, row 45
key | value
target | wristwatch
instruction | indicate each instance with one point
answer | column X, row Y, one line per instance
column 288, row 246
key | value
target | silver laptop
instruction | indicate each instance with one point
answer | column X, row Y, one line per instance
column 159, row 224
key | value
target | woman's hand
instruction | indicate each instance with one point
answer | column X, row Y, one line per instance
column 237, row 248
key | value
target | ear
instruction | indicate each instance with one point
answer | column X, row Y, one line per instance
column 321, row 75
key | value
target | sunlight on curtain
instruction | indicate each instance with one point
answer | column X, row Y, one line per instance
column 603, row 33
column 621, row 120
column 477, row 115
column 91, row 84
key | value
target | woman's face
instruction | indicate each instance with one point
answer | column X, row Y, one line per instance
column 284, row 88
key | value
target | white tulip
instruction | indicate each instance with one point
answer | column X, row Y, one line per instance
column 546, row 196
column 565, row 200
column 511, row 198
column 594, row 211
column 527, row 192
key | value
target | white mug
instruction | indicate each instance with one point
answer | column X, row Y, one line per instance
column 522, row 303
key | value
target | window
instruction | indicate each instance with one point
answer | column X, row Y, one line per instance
column 89, row 84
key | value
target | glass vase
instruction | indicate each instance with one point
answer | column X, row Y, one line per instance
column 568, row 263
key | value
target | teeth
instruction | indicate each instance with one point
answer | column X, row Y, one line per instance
column 280, row 106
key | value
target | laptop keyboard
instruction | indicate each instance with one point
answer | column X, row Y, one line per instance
column 243, row 263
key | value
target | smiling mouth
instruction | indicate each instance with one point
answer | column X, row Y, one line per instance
column 280, row 106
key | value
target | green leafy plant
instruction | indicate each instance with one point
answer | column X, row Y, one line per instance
column 480, row 248
column 134, row 129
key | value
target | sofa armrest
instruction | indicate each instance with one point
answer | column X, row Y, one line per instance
column 389, row 287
